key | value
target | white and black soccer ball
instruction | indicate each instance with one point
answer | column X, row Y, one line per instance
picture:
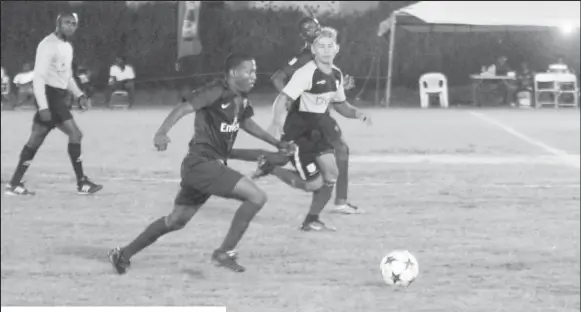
column 399, row 268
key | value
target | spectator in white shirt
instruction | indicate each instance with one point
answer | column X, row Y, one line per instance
column 5, row 88
column 23, row 81
column 121, row 77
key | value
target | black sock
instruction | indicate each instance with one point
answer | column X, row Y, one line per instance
column 75, row 155
column 154, row 231
column 240, row 223
column 26, row 156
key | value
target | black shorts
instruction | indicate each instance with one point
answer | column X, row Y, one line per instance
column 58, row 105
column 304, row 159
column 321, row 129
column 203, row 177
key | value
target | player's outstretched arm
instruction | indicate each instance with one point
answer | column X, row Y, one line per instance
column 276, row 158
column 349, row 111
column 278, row 80
column 252, row 128
column 194, row 101
column 181, row 110
column 280, row 108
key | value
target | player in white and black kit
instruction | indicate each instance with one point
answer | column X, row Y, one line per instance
column 308, row 29
column 315, row 86
column 53, row 80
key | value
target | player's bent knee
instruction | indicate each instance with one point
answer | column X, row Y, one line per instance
column 342, row 152
column 258, row 198
column 313, row 185
column 180, row 216
column 76, row 136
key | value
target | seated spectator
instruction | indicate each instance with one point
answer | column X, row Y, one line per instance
column 121, row 77
column 5, row 88
column 525, row 78
column 524, row 81
column 506, row 87
column 84, row 78
column 23, row 81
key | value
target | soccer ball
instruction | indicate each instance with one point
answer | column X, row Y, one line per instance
column 399, row 268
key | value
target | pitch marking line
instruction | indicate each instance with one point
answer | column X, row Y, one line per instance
column 267, row 182
column 563, row 155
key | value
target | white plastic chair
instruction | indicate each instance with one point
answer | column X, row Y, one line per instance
column 546, row 84
column 433, row 83
column 567, row 90
column 558, row 86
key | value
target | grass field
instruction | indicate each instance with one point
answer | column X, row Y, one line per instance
column 487, row 200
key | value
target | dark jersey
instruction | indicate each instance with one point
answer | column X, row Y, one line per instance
column 216, row 125
column 297, row 62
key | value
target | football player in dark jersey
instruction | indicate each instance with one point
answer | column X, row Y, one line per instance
column 309, row 28
column 222, row 108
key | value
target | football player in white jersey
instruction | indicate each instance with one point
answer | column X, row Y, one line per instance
column 315, row 86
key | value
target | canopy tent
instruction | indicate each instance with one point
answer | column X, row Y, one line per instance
column 478, row 16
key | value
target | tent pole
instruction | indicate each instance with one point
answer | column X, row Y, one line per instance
column 390, row 59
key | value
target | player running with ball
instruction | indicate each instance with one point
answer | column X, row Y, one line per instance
column 221, row 109
column 314, row 86
column 308, row 30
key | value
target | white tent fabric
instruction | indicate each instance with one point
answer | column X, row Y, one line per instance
column 467, row 16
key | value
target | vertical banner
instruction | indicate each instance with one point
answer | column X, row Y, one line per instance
column 188, row 37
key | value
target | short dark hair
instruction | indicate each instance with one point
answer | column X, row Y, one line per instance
column 67, row 14
column 235, row 59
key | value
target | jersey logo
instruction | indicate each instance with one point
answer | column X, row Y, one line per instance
column 293, row 61
column 312, row 168
column 321, row 82
column 228, row 128
column 225, row 105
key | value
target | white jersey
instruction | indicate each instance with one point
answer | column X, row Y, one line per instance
column 314, row 89
column 53, row 67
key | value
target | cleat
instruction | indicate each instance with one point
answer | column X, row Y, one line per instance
column 264, row 168
column 317, row 226
column 87, row 187
column 347, row 209
column 119, row 262
column 227, row 259
column 17, row 190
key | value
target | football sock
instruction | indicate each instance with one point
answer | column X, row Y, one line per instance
column 154, row 231
column 74, row 150
column 320, row 198
column 240, row 223
column 26, row 156
column 342, row 179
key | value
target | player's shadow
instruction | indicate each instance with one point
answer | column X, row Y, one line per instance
column 93, row 253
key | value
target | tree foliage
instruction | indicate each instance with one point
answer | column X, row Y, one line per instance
column 146, row 35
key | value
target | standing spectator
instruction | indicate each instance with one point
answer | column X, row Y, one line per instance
column 121, row 77
column 23, row 82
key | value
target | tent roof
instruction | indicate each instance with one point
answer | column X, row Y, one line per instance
column 463, row 16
